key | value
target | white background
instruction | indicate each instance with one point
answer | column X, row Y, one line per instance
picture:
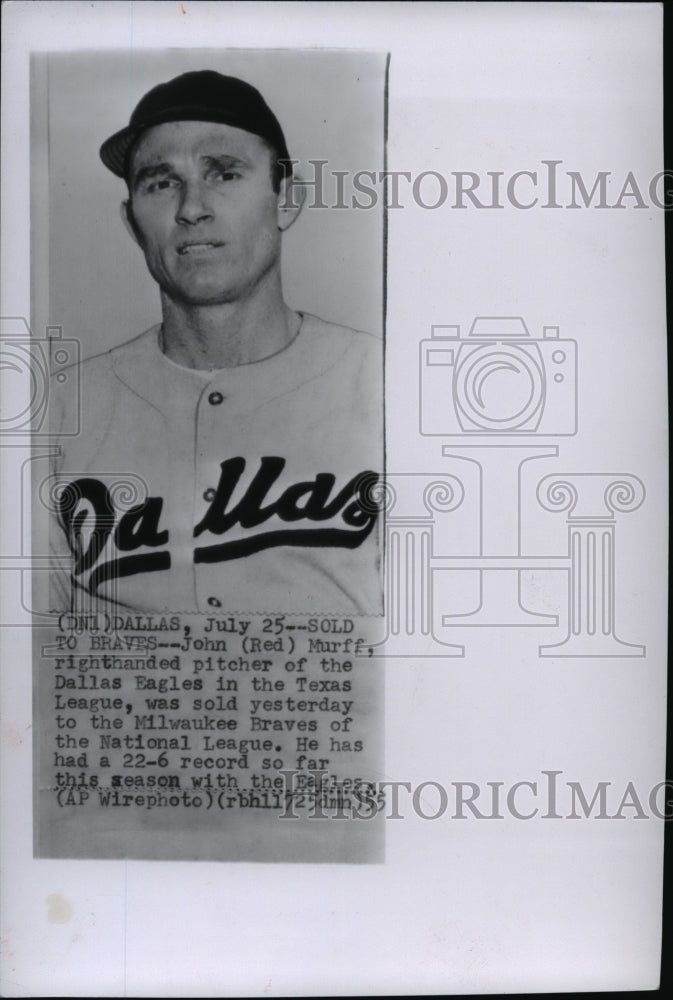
column 459, row 906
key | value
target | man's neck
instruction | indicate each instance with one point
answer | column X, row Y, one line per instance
column 224, row 336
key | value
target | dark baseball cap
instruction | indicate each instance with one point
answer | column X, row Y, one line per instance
column 204, row 96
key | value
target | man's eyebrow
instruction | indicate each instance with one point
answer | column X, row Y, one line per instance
column 154, row 170
column 225, row 160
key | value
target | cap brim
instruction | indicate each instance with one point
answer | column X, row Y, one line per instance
column 115, row 150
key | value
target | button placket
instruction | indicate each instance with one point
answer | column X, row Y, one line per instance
column 214, row 398
column 207, row 426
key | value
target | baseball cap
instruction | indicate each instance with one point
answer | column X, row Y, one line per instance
column 204, row 95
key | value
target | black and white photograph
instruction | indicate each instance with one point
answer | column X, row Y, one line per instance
column 334, row 501
column 228, row 455
column 221, row 469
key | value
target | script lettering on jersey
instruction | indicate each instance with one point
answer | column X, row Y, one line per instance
column 87, row 513
column 318, row 505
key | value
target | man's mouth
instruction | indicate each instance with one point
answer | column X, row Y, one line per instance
column 196, row 249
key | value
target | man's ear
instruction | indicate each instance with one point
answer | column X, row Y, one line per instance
column 129, row 221
column 290, row 201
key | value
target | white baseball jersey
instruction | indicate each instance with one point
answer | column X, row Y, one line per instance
column 245, row 489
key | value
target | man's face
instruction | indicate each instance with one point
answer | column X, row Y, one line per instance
column 205, row 212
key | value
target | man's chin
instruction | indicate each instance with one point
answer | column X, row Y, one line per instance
column 194, row 298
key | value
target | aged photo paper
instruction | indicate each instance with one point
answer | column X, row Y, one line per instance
column 334, row 457
column 210, row 513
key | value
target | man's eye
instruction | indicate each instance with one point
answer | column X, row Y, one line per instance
column 161, row 185
column 225, row 175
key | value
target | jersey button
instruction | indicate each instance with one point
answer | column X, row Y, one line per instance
column 215, row 398
column 214, row 602
column 209, row 494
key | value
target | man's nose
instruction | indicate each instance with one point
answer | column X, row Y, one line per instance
column 194, row 204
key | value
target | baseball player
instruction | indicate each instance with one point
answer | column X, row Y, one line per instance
column 228, row 456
